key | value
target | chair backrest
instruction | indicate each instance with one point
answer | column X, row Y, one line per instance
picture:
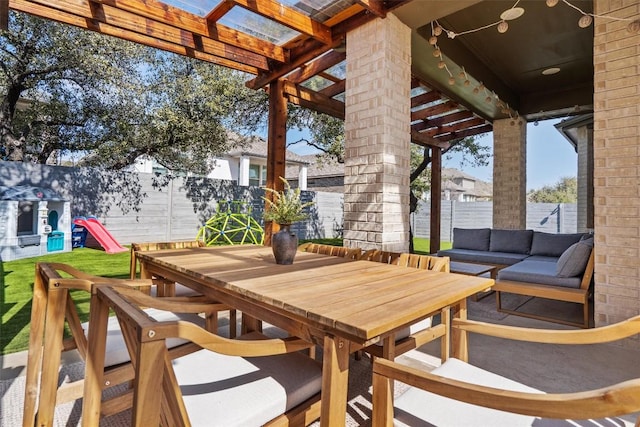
column 425, row 262
column 217, row 381
column 156, row 246
column 340, row 251
column 377, row 255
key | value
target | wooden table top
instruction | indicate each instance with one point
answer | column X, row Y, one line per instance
column 360, row 300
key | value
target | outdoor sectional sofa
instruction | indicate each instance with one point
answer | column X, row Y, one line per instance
column 545, row 265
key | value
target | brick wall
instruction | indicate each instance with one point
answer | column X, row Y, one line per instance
column 617, row 163
column 376, row 203
column 509, row 174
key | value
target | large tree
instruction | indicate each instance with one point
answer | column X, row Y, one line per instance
column 563, row 191
column 68, row 90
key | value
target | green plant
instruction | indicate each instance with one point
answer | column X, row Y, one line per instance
column 286, row 206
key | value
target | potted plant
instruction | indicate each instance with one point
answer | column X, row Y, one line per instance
column 284, row 209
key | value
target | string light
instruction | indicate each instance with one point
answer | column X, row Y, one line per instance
column 503, row 27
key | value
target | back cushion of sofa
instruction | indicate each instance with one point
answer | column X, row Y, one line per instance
column 514, row 241
column 471, row 238
column 548, row 244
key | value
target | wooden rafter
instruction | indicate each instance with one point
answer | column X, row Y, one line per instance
column 443, row 120
column 304, row 97
column 465, row 133
column 334, row 89
column 435, row 110
column 427, row 141
column 309, row 50
column 374, row 6
column 313, row 68
column 288, row 17
column 170, row 15
column 425, row 98
column 46, row 11
column 456, row 127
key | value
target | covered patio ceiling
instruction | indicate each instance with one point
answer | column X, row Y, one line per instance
column 488, row 75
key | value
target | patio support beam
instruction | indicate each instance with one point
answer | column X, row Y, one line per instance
column 436, row 199
column 4, row 15
column 509, row 174
column 276, row 151
column 377, row 137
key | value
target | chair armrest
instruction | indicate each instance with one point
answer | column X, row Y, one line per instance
column 619, row 399
column 125, row 302
column 601, row 334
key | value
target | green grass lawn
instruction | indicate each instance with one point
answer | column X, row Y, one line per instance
column 17, row 288
column 16, row 278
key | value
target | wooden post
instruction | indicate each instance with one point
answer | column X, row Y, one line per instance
column 276, row 151
column 436, row 198
column 4, row 14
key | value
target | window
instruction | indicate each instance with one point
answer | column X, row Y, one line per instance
column 26, row 218
column 257, row 175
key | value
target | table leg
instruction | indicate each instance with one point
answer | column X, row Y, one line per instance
column 34, row 359
column 335, row 381
column 459, row 341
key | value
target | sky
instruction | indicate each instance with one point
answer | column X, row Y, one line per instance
column 550, row 156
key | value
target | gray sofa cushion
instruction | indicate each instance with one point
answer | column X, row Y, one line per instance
column 480, row 257
column 540, row 272
column 515, row 241
column 574, row 260
column 548, row 244
column 471, row 238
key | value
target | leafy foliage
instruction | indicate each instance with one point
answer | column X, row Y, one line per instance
column 67, row 91
column 286, row 206
column 564, row 191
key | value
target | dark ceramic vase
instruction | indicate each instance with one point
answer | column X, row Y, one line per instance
column 284, row 244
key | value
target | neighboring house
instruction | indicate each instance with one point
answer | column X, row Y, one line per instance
column 246, row 165
column 322, row 174
column 328, row 176
column 462, row 187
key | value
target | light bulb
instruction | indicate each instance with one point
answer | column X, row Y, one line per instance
column 437, row 53
column 441, row 65
column 536, row 123
column 452, row 81
column 467, row 82
column 634, row 26
column 503, row 27
column 433, row 40
column 476, row 90
column 552, row 3
column 585, row 21
column 488, row 100
column 437, row 30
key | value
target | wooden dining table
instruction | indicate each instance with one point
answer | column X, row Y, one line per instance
column 339, row 304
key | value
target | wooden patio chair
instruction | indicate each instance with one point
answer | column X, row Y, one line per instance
column 247, row 381
column 166, row 287
column 52, row 309
column 420, row 333
column 341, row 251
column 380, row 256
column 457, row 393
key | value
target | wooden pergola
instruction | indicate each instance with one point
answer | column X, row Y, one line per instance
column 295, row 51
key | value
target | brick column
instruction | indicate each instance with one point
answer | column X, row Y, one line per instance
column 617, row 164
column 377, row 138
column 509, row 174
column 585, row 178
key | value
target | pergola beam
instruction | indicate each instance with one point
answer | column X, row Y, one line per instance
column 304, row 97
column 170, row 15
column 88, row 22
column 288, row 17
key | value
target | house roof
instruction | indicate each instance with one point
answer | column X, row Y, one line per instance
column 318, row 167
column 27, row 193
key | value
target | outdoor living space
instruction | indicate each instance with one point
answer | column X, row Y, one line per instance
column 394, row 73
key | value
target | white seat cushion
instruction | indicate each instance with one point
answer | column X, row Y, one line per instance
column 117, row 352
column 421, row 408
column 220, row 390
column 410, row 330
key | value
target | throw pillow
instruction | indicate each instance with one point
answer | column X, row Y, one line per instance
column 476, row 239
column 513, row 241
column 549, row 244
column 574, row 260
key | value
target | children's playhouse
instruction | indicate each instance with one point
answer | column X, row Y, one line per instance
column 33, row 221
